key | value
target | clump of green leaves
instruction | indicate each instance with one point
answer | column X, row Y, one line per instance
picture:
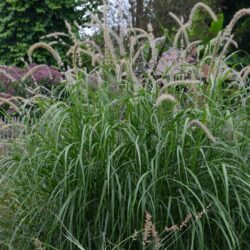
column 203, row 29
column 96, row 162
column 22, row 23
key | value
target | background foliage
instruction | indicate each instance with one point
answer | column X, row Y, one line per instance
column 157, row 11
column 22, row 23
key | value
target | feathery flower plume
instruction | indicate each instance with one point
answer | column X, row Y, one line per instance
column 69, row 28
column 76, row 51
column 77, row 25
column 133, row 76
column 159, row 40
column 245, row 71
column 204, row 211
column 203, row 7
column 32, row 71
column 178, row 34
column 233, row 42
column 190, row 46
column 5, row 126
column 60, row 42
column 153, row 59
column 35, row 98
column 42, row 45
column 177, row 227
column 181, row 82
column 132, row 46
column 134, row 30
column 147, row 227
column 186, row 221
column 6, row 74
column 97, row 58
column 133, row 41
column 38, row 244
column 216, row 47
column 135, row 235
column 143, row 34
column 99, row 23
column 53, row 43
column 94, row 81
column 204, row 128
column 121, row 67
column 239, row 14
column 93, row 44
column 165, row 97
column 137, row 54
column 150, row 231
column 229, row 41
column 55, row 35
column 15, row 98
column 105, row 29
column 108, row 44
column 28, row 67
column 122, row 29
column 156, row 238
column 182, row 29
column 188, row 218
column 11, row 104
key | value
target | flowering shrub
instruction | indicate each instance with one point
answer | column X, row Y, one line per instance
column 11, row 77
column 19, row 82
column 8, row 75
column 46, row 73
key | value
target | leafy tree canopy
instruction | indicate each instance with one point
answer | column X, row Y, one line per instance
column 23, row 22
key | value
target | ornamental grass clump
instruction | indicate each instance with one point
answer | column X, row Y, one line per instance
column 125, row 152
column 94, row 163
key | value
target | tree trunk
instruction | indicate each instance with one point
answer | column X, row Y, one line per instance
column 139, row 14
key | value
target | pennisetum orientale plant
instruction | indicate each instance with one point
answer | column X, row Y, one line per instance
column 125, row 150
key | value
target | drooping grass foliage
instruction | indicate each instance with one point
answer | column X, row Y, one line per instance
column 97, row 161
column 131, row 157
